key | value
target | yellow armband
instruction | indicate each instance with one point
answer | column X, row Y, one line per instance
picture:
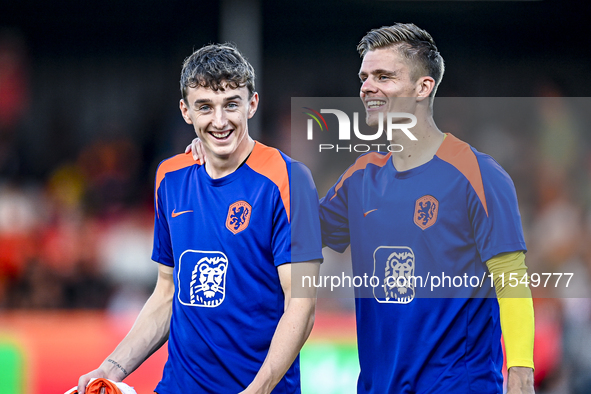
column 516, row 307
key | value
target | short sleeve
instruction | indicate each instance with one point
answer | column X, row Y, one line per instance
column 496, row 220
column 297, row 239
column 162, row 249
column 306, row 243
column 334, row 219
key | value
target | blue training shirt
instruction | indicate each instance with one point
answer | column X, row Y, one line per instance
column 225, row 237
column 445, row 218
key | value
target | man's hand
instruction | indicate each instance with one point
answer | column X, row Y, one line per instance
column 109, row 369
column 520, row 380
column 85, row 379
column 196, row 149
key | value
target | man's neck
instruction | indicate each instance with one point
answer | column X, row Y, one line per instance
column 219, row 167
column 421, row 151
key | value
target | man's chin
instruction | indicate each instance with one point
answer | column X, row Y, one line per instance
column 372, row 121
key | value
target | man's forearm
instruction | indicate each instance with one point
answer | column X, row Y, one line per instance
column 291, row 334
column 149, row 332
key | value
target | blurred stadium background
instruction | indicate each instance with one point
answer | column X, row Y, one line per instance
column 89, row 107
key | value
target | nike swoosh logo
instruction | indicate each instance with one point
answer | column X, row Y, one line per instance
column 368, row 212
column 175, row 214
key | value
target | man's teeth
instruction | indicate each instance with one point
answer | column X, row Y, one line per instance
column 221, row 135
column 375, row 103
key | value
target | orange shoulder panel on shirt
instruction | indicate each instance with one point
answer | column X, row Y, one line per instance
column 361, row 164
column 268, row 162
column 174, row 163
column 458, row 153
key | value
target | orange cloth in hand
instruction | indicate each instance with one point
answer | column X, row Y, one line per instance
column 103, row 386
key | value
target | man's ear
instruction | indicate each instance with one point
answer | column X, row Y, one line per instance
column 253, row 104
column 185, row 111
column 425, row 86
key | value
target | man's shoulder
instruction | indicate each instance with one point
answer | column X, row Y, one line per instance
column 268, row 154
column 467, row 159
column 481, row 170
column 274, row 164
column 176, row 162
column 172, row 164
column 368, row 160
column 376, row 158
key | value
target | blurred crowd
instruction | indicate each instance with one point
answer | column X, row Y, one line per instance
column 75, row 221
column 78, row 234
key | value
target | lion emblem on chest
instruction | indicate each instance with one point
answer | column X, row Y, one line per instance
column 238, row 217
column 426, row 209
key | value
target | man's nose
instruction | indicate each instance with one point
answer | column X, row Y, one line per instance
column 219, row 120
column 368, row 86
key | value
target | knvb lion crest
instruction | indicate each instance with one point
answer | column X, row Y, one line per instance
column 426, row 209
column 238, row 216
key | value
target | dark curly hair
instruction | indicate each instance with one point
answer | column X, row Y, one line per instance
column 217, row 66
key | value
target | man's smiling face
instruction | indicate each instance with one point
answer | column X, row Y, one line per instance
column 386, row 78
column 220, row 118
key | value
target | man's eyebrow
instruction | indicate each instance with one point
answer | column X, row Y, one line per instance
column 379, row 71
column 207, row 101
column 201, row 101
column 384, row 72
column 236, row 97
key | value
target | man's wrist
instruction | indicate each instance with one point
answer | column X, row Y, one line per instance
column 521, row 379
column 264, row 381
column 114, row 370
